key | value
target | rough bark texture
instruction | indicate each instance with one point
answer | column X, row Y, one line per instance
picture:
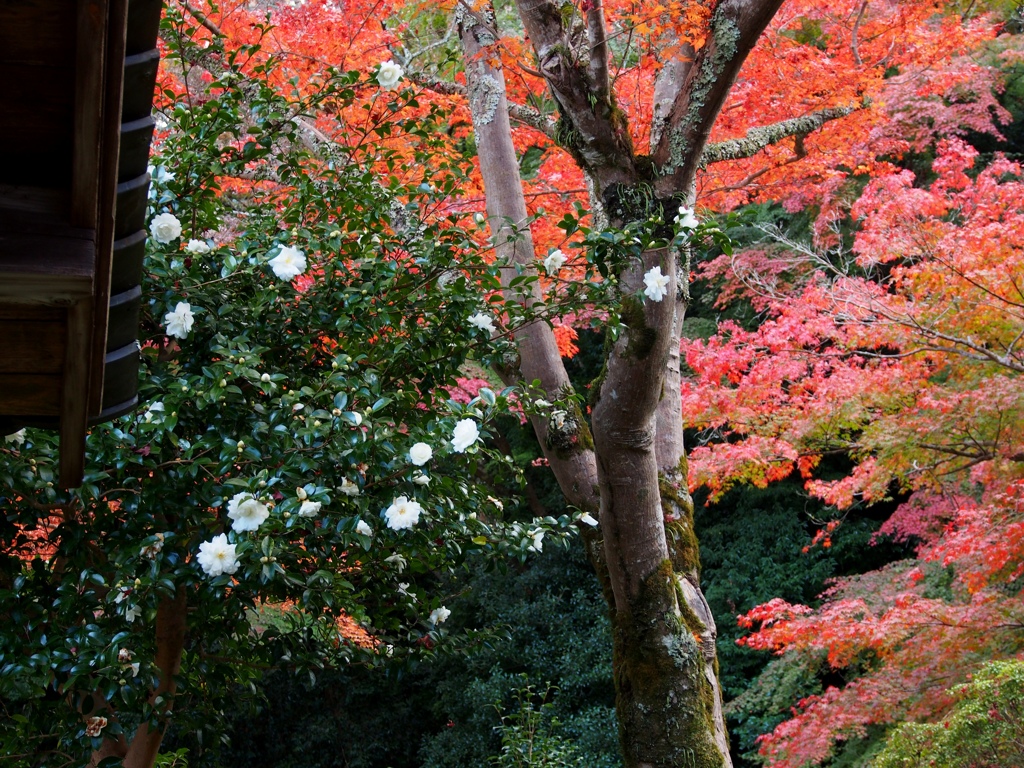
column 669, row 702
column 569, row 452
column 171, row 622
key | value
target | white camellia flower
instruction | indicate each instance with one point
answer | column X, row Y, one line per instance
column 18, row 438
column 421, row 479
column 439, row 615
column 554, row 261
column 132, row 612
column 482, row 321
column 686, row 218
column 289, row 263
column 159, row 174
column 538, row 538
column 656, row 284
column 403, row 513
column 363, row 528
column 179, row 321
column 246, row 512
column 165, row 227
column 154, row 410
column 466, row 433
column 198, row 247
column 310, row 508
column 420, row 454
column 398, row 561
column 589, row 519
column 217, row 556
column 389, row 75
column 348, row 487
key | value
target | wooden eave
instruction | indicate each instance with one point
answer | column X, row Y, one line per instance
column 75, row 128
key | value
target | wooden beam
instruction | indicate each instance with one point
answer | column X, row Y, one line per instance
column 32, row 346
column 35, row 269
column 90, row 55
column 74, row 394
column 110, row 145
column 29, row 394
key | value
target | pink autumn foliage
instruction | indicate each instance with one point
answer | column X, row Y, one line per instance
column 919, row 645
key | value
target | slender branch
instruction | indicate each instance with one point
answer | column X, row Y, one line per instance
column 202, row 18
column 854, row 42
column 757, row 139
column 597, row 35
column 523, row 114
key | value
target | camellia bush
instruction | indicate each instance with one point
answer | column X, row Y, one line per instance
column 295, row 454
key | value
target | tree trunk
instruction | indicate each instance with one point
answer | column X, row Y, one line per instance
column 668, row 698
column 669, row 711
column 171, row 624
column 569, row 448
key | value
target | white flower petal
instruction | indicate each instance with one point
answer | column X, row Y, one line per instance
column 389, row 75
column 246, row 512
column 289, row 263
column 165, row 227
column 554, row 261
column 217, row 556
column 180, row 320
column 420, row 454
column 482, row 321
column 656, row 284
column 402, row 513
column 439, row 615
column 466, row 433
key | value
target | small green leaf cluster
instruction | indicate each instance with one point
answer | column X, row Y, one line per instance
column 984, row 727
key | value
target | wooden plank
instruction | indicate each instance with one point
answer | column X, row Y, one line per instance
column 48, row 204
column 29, row 394
column 74, row 400
column 34, row 314
column 31, row 346
column 110, row 153
column 38, row 107
column 37, row 32
column 90, row 63
column 45, row 270
column 19, row 223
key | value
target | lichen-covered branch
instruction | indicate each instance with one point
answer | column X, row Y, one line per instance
column 757, row 139
column 735, row 27
column 591, row 128
column 518, row 112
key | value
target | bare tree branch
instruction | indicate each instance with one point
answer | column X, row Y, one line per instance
column 202, row 18
column 734, row 29
column 854, row 37
column 597, row 35
column 519, row 112
column 757, row 139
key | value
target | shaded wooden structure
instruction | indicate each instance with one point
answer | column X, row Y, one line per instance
column 75, row 130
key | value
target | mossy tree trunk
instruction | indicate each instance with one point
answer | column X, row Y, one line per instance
column 632, row 472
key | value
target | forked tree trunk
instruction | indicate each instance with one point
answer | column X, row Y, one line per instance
column 668, row 697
